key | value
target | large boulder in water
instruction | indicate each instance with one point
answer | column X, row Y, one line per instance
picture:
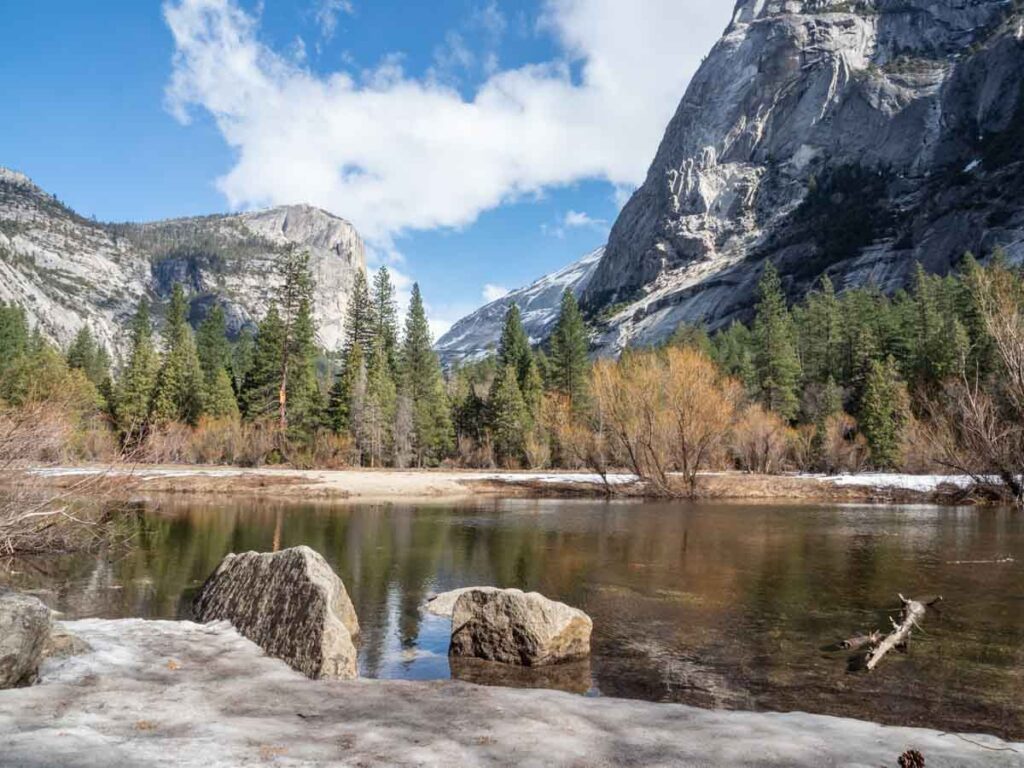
column 24, row 633
column 291, row 604
column 516, row 627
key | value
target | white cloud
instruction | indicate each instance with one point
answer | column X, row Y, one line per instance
column 582, row 219
column 493, row 292
column 393, row 153
column 327, row 12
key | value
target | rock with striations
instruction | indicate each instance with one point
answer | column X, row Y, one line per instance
column 291, row 604
column 24, row 633
column 829, row 137
column 68, row 271
column 515, row 627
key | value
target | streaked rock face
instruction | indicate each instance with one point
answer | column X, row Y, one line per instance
column 24, row 633
column 291, row 604
column 476, row 335
column 515, row 627
column 67, row 270
column 828, row 136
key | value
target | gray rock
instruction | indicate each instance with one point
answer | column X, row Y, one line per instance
column 444, row 603
column 66, row 270
column 516, row 627
column 24, row 631
column 291, row 604
column 923, row 99
column 475, row 335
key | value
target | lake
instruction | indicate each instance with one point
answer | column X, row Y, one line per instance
column 715, row 605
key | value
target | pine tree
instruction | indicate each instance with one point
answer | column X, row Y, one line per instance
column 242, row 357
column 90, row 357
column 340, row 399
column 214, row 360
column 378, row 416
column 820, row 328
column 423, row 384
column 514, row 345
column 733, row 350
column 135, row 385
column 360, row 322
column 178, row 394
column 568, row 361
column 883, row 412
column 778, row 368
column 14, row 333
column 259, row 394
column 508, row 417
column 297, row 390
column 533, row 392
column 385, row 317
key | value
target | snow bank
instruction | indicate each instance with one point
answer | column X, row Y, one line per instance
column 183, row 694
column 921, row 483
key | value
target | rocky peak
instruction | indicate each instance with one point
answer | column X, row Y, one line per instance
column 68, row 271
column 854, row 138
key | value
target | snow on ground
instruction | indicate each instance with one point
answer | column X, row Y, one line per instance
column 921, row 483
column 201, row 696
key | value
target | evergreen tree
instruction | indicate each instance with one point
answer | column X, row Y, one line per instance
column 514, row 345
column 297, row 390
column 259, row 394
column 733, row 350
column 340, row 397
column 360, row 322
column 90, row 357
column 14, row 333
column 423, row 384
column 776, row 362
column 820, row 328
column 135, row 385
column 178, row 394
column 242, row 357
column 214, row 361
column 508, row 417
column 385, row 317
column 568, row 361
column 378, row 413
column 533, row 392
column 883, row 412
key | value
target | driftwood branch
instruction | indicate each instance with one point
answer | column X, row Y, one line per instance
column 911, row 615
column 877, row 644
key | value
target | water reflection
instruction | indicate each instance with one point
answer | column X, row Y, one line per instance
column 714, row 605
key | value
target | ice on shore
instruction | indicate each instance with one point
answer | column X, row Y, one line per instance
column 184, row 694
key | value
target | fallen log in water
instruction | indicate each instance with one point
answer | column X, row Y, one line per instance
column 871, row 647
column 911, row 614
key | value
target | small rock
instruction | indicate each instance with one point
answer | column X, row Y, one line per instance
column 514, row 627
column 291, row 604
column 24, row 630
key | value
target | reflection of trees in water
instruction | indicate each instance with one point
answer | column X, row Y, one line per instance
column 708, row 604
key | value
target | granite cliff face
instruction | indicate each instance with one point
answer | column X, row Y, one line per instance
column 67, row 270
column 853, row 138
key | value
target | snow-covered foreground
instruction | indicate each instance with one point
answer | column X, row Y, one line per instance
column 182, row 694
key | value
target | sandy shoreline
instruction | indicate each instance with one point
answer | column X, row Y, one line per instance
column 372, row 485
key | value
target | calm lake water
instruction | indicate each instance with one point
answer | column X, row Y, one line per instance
column 717, row 605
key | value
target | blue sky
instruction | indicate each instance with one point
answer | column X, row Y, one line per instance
column 475, row 144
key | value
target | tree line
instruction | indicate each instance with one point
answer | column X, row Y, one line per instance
column 931, row 378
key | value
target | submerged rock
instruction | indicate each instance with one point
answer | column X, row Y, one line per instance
column 516, row 627
column 24, row 632
column 291, row 604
